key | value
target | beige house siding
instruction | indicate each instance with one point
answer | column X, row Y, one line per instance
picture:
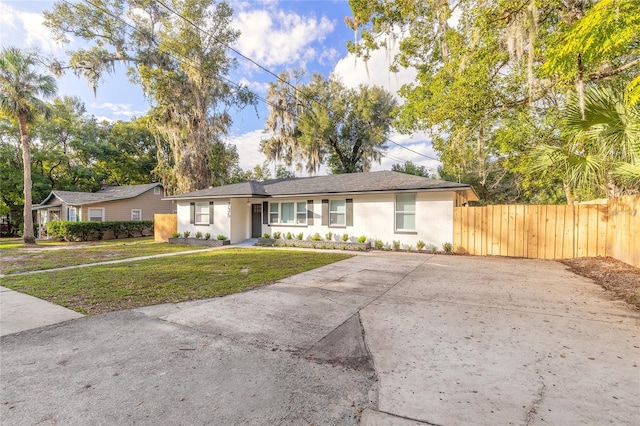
column 120, row 210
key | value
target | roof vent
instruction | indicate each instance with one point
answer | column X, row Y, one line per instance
column 103, row 185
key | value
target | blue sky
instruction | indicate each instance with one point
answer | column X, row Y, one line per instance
column 279, row 35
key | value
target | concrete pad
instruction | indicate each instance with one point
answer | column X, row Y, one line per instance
column 128, row 368
column 280, row 316
column 485, row 341
column 22, row 312
column 371, row 417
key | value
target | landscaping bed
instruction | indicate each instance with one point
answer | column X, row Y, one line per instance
column 330, row 245
column 619, row 279
column 199, row 242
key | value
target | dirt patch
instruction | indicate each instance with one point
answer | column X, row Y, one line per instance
column 618, row 278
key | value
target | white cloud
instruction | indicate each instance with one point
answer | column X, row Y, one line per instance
column 118, row 110
column 255, row 86
column 375, row 72
column 248, row 145
column 26, row 30
column 276, row 37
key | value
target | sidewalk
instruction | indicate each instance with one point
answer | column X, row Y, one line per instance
column 19, row 312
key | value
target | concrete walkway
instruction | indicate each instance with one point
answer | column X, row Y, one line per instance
column 382, row 339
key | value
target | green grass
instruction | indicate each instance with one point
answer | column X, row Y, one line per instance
column 51, row 255
column 99, row 289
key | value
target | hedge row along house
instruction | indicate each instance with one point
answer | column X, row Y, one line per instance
column 384, row 205
column 111, row 203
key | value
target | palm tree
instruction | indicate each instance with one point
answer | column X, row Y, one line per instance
column 20, row 86
column 601, row 150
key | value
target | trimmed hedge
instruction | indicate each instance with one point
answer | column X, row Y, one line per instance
column 84, row 231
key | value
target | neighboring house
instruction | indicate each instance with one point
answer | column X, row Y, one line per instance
column 385, row 205
column 111, row 203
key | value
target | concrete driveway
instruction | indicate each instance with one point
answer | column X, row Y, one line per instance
column 381, row 339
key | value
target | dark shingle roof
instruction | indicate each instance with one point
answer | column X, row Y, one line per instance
column 384, row 181
column 110, row 193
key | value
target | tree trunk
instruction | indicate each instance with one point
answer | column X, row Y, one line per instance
column 27, row 234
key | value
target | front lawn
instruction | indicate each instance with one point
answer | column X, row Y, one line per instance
column 16, row 257
column 99, row 289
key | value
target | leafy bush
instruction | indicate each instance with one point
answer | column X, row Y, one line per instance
column 447, row 247
column 186, row 234
column 431, row 248
column 362, row 239
column 277, row 235
column 223, row 237
column 378, row 244
column 300, row 236
column 316, row 237
column 289, row 236
column 329, row 236
column 345, row 237
column 198, row 235
column 175, row 235
column 420, row 244
column 266, row 235
column 73, row 231
column 207, row 236
column 396, row 244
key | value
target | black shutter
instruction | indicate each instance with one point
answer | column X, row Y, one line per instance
column 265, row 213
column 193, row 213
column 309, row 212
column 210, row 212
column 325, row 212
column 349, row 212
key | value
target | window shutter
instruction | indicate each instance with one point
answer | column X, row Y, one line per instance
column 325, row 212
column 265, row 213
column 193, row 213
column 309, row 212
column 349, row 212
column 211, row 212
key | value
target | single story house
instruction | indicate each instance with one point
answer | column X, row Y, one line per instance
column 111, row 203
column 385, row 205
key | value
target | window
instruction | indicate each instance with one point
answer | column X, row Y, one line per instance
column 202, row 214
column 136, row 214
column 288, row 213
column 301, row 214
column 72, row 214
column 406, row 212
column 273, row 213
column 96, row 215
column 337, row 213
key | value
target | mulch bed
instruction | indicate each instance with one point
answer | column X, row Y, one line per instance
column 621, row 280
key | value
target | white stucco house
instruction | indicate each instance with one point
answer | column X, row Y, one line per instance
column 385, row 205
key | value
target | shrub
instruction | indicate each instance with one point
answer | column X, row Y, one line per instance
column 277, row 235
column 221, row 237
column 198, row 235
column 362, row 239
column 207, row 236
column 186, row 234
column 378, row 244
column 316, row 237
column 431, row 248
column 345, row 237
column 329, row 236
column 420, row 245
column 175, row 235
column 447, row 247
column 387, row 246
column 409, row 247
column 396, row 244
column 323, row 246
column 300, row 236
column 266, row 235
column 289, row 236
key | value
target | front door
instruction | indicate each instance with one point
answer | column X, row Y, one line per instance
column 256, row 220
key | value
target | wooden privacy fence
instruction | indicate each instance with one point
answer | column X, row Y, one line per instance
column 164, row 225
column 551, row 232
